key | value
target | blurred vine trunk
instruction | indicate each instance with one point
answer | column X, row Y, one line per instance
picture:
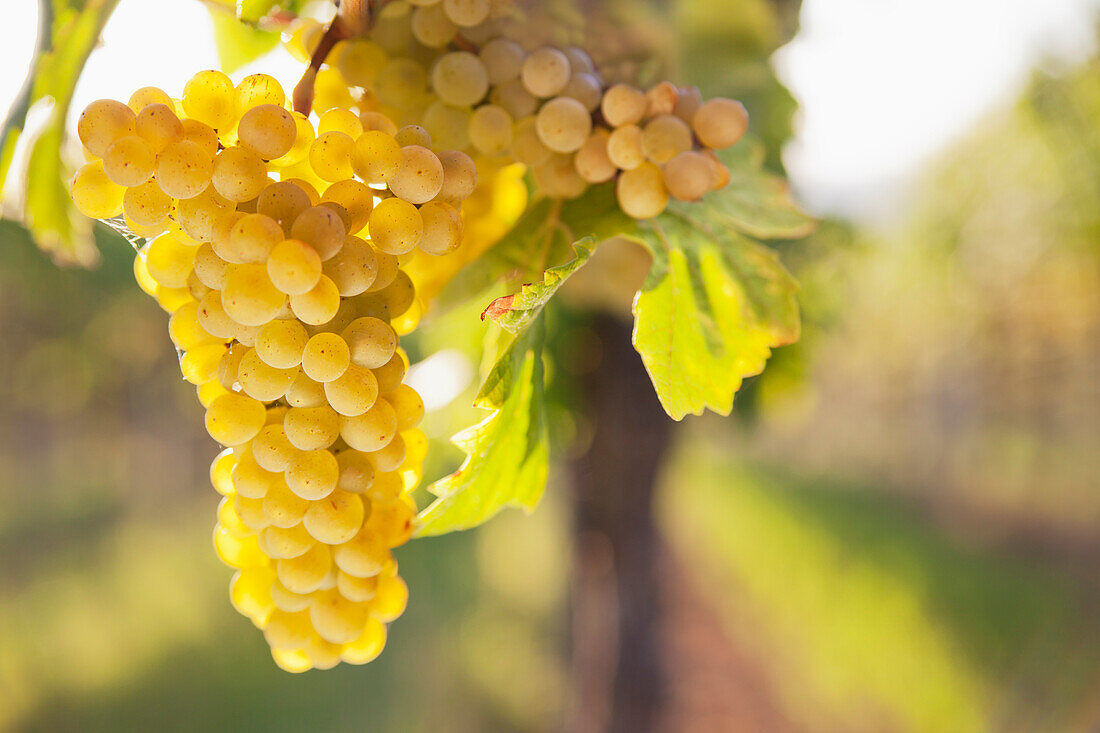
column 618, row 675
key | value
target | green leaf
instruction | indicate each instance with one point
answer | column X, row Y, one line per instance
column 252, row 11
column 507, row 460
column 75, row 27
column 239, row 43
column 539, row 240
column 713, row 307
column 756, row 202
column 514, row 313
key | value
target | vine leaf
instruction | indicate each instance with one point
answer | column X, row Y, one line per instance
column 73, row 28
column 714, row 305
column 756, row 202
column 508, row 459
column 239, row 43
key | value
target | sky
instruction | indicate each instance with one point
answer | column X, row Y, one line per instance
column 884, row 85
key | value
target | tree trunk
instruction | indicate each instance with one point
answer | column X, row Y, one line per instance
column 617, row 678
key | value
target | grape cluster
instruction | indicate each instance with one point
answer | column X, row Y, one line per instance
column 286, row 299
column 476, row 79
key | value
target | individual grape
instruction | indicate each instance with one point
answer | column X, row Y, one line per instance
column 220, row 475
column 467, row 13
column 256, row 90
column 321, row 228
column 416, row 447
column 251, row 239
column 558, row 178
column 407, row 405
column 460, row 79
column 356, row 589
column 545, row 72
column 280, row 543
column 312, row 428
column 326, row 357
column 359, row 62
column 303, row 141
column 203, row 135
column 158, row 126
column 184, row 169
column 304, row 574
column 330, row 156
column 688, row 176
column 209, row 268
column 413, row 135
column 169, row 261
column 268, row 131
column 94, row 193
column 372, row 430
column 319, row 305
column 388, row 267
column 377, row 122
column 145, row 96
column 391, row 373
column 353, row 392
column 661, row 99
column 283, row 201
column 442, row 228
column 586, row 88
column 204, row 217
column 503, row 58
column 304, row 392
column 563, row 124
column 209, row 97
column 264, row 383
column 491, row 129
column 514, row 98
column 233, row 419
column 400, row 82
column 623, row 105
column 185, row 330
column 392, row 521
column 249, row 297
column 391, row 28
column 368, row 646
column 356, row 471
column 386, row 487
column 354, row 268
column 527, row 145
column 459, row 176
column 336, row 518
column 239, row 174
column 200, row 364
column 271, row 448
column 624, row 147
column 720, row 174
column 250, row 479
column 391, row 456
column 720, row 122
column 579, row 60
column 376, row 156
column 283, row 508
column 330, row 90
column 313, row 474
column 102, row 122
column 216, row 321
column 447, row 125
column 294, row 267
column 336, row 619
column 664, row 137
column 432, row 27
column 340, row 120
column 357, row 199
column 592, row 162
column 396, row 226
column 641, row 191
column 363, row 556
column 399, row 295
column 390, row 599
column 688, row 102
column 287, row 630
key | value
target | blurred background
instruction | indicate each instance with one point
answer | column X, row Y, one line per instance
column 899, row 530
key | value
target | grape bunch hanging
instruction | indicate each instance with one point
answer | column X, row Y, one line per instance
column 289, row 254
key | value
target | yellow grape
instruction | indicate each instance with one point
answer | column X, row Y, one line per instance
column 563, row 124
column 372, row 430
column 442, row 228
column 304, row 574
column 261, row 381
column 158, row 126
column 459, row 176
column 283, row 201
column 233, row 419
column 249, row 297
column 419, row 177
column 356, row 471
column 664, row 137
column 330, row 156
column 624, row 147
column 209, row 98
column 326, row 356
column 355, row 197
column 353, row 392
column 336, row 518
column 396, row 226
column 641, row 191
column 94, row 193
column 354, row 269
column 184, row 169
column 280, row 343
column 622, row 104
column 321, row 228
column 545, row 72
column 294, row 267
column 313, row 474
column 719, row 122
column 319, row 305
column 268, row 131
column 239, row 174
column 312, row 428
column 375, row 156
column 592, row 162
column 145, row 96
column 258, row 89
column 104, row 121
